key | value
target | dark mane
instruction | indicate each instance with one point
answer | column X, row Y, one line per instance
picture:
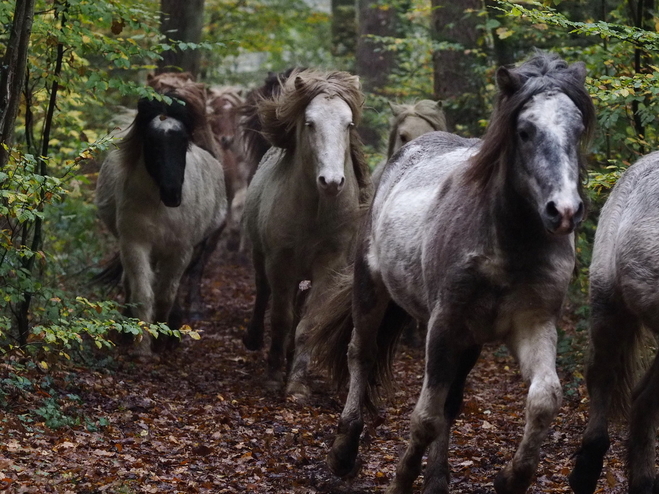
column 543, row 72
column 280, row 115
column 255, row 144
column 426, row 109
column 183, row 87
column 131, row 145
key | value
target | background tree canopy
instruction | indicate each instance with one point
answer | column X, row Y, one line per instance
column 87, row 60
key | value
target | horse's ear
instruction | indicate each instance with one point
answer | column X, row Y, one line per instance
column 439, row 103
column 354, row 80
column 396, row 109
column 578, row 70
column 149, row 77
column 508, row 81
column 299, row 83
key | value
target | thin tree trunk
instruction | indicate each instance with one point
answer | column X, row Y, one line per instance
column 344, row 28
column 12, row 74
column 453, row 69
column 372, row 63
column 642, row 17
column 181, row 20
column 22, row 316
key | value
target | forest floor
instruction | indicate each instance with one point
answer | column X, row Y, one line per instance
column 200, row 420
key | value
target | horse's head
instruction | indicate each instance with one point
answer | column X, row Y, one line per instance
column 325, row 130
column 544, row 117
column 412, row 121
column 166, row 134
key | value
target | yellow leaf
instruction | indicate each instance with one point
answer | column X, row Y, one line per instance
column 43, row 365
column 194, row 335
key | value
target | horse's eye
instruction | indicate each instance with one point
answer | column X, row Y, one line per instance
column 403, row 139
column 309, row 124
column 351, row 125
column 524, row 135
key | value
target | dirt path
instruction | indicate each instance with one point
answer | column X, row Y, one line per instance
column 200, row 421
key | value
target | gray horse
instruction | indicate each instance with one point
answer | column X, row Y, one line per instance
column 624, row 276
column 302, row 208
column 476, row 239
column 409, row 122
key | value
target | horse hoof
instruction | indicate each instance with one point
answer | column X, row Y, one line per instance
column 344, row 468
column 252, row 342
column 506, row 483
column 298, row 390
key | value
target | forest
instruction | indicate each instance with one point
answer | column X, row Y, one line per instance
column 103, row 388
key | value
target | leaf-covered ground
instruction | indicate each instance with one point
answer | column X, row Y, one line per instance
column 201, row 421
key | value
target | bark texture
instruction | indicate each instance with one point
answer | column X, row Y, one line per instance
column 181, row 20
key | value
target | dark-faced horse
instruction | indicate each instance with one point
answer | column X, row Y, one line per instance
column 474, row 238
column 162, row 196
column 302, row 208
column 624, row 297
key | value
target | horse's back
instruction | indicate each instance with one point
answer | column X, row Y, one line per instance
column 626, row 249
column 404, row 201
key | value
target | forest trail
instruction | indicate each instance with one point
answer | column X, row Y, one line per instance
column 201, row 421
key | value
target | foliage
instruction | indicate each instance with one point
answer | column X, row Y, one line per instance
column 263, row 35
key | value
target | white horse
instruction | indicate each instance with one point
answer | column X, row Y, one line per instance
column 301, row 211
column 161, row 195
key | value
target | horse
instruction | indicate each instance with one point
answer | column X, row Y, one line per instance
column 624, row 275
column 410, row 121
column 162, row 196
column 223, row 105
column 475, row 239
column 302, row 208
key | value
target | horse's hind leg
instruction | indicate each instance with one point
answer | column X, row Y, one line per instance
column 369, row 305
column 450, row 357
column 534, row 345
column 611, row 334
column 643, row 422
column 437, row 470
column 195, row 273
column 253, row 338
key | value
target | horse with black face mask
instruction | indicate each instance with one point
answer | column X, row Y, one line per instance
column 161, row 195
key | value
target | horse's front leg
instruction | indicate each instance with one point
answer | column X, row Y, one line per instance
column 168, row 279
column 320, row 287
column 282, row 316
column 533, row 342
column 138, row 276
column 253, row 338
column 450, row 355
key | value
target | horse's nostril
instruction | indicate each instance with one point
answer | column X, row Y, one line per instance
column 551, row 209
column 323, row 181
column 343, row 179
column 580, row 209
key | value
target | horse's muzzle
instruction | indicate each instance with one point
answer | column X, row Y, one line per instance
column 331, row 187
column 562, row 219
column 171, row 199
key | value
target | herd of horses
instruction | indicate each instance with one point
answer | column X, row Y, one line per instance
column 471, row 239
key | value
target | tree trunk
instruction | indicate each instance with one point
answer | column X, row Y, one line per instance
column 373, row 64
column 344, row 28
column 12, row 74
column 181, row 20
column 454, row 68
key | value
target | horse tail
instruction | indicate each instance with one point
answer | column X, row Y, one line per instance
column 110, row 274
column 330, row 339
column 636, row 355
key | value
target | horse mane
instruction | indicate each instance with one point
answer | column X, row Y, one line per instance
column 182, row 86
column 255, row 144
column 279, row 115
column 130, row 146
column 426, row 109
column 543, row 72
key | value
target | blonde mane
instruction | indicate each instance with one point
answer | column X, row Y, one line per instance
column 280, row 115
column 426, row 109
